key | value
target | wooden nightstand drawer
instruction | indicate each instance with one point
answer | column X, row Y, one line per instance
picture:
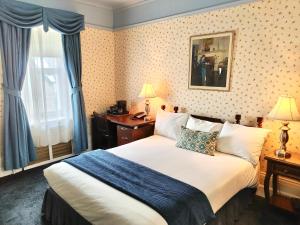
column 288, row 171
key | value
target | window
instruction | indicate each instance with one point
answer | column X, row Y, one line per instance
column 46, row 91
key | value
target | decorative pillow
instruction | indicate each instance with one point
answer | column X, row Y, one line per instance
column 198, row 141
column 203, row 125
column 242, row 141
column 168, row 124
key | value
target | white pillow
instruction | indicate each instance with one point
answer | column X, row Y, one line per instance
column 242, row 141
column 203, row 125
column 168, row 124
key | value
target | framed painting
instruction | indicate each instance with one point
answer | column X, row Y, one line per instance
column 210, row 61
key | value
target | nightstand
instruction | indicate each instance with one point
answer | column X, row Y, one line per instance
column 289, row 168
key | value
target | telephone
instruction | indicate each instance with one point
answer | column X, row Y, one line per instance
column 138, row 115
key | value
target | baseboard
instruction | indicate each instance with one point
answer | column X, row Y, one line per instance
column 287, row 187
column 12, row 172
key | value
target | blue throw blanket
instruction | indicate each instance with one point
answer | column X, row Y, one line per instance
column 177, row 202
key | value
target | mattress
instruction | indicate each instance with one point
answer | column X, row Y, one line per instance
column 220, row 177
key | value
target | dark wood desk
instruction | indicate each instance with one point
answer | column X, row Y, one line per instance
column 125, row 120
column 289, row 168
column 129, row 130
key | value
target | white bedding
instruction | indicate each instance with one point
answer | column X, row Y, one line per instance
column 220, row 177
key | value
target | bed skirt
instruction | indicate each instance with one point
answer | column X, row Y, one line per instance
column 55, row 211
column 230, row 212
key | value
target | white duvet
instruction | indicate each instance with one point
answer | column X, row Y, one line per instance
column 220, row 177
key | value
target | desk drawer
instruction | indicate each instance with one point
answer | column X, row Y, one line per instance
column 125, row 135
column 288, row 171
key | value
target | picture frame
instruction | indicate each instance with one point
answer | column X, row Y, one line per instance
column 210, row 61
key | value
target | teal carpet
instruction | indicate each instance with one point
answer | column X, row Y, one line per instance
column 21, row 200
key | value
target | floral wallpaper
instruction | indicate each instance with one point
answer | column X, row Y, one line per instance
column 266, row 63
column 98, row 78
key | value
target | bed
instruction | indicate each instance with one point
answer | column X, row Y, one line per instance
column 75, row 197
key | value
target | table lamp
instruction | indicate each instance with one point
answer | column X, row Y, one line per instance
column 147, row 92
column 284, row 110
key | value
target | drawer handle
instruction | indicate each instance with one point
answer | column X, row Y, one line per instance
column 124, row 138
column 123, row 128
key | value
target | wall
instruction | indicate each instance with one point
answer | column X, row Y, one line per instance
column 266, row 62
column 97, row 75
column 98, row 79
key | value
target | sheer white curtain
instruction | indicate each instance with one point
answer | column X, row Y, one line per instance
column 46, row 92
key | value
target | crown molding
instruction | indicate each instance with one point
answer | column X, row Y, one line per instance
column 132, row 5
column 123, row 6
column 103, row 16
column 100, row 27
column 183, row 14
column 93, row 3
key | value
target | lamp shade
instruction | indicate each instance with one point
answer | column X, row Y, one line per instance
column 147, row 91
column 285, row 109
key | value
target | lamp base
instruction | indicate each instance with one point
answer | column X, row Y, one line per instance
column 281, row 153
column 147, row 110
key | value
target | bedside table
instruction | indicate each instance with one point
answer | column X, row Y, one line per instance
column 289, row 168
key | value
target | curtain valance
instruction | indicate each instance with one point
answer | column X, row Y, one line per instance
column 26, row 15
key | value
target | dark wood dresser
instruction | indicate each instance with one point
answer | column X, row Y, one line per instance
column 127, row 134
column 127, row 129
column 289, row 168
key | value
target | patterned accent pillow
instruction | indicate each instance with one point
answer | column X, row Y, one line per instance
column 197, row 141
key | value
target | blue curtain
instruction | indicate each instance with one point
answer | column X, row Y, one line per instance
column 26, row 15
column 62, row 21
column 72, row 53
column 18, row 145
column 16, row 19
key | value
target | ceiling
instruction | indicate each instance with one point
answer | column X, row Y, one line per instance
column 113, row 4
